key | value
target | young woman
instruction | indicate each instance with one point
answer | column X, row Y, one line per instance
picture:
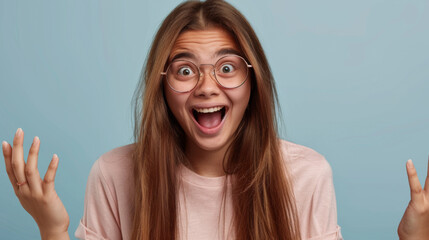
column 207, row 162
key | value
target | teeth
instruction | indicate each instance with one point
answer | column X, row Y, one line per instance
column 208, row 110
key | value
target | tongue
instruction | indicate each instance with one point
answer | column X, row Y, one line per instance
column 209, row 120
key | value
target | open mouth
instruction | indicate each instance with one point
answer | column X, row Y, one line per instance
column 209, row 117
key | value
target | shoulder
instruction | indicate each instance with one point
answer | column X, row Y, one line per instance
column 310, row 171
column 118, row 156
column 115, row 166
column 303, row 160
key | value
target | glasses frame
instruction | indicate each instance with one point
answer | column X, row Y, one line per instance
column 200, row 74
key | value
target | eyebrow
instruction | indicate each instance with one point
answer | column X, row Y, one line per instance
column 183, row 55
column 226, row 51
column 221, row 52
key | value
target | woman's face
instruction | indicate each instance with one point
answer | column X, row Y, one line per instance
column 209, row 114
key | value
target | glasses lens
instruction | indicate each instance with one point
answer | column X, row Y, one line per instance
column 182, row 75
column 231, row 71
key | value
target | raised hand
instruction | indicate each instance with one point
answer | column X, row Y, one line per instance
column 415, row 222
column 37, row 196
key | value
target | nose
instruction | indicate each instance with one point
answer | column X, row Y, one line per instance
column 207, row 85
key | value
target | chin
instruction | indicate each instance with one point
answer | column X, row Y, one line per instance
column 211, row 145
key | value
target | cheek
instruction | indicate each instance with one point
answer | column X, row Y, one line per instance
column 176, row 103
column 240, row 98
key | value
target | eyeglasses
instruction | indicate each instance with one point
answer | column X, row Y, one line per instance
column 230, row 71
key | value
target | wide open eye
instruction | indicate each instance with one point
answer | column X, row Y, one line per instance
column 185, row 71
column 231, row 71
column 227, row 68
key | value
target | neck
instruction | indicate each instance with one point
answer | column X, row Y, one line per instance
column 205, row 162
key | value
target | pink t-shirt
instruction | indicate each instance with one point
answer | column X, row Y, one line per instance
column 109, row 195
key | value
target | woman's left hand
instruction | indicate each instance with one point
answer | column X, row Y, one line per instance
column 414, row 224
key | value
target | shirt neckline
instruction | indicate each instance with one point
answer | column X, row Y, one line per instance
column 194, row 178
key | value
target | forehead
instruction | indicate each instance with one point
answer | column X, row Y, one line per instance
column 204, row 44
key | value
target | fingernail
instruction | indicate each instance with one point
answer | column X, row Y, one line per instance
column 4, row 144
column 36, row 140
column 409, row 163
column 18, row 131
column 55, row 160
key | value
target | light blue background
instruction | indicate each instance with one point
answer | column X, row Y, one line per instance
column 352, row 76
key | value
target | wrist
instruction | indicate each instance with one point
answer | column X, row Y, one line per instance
column 411, row 238
column 54, row 236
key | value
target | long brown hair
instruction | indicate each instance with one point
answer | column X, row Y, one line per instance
column 263, row 201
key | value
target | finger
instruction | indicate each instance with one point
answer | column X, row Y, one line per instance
column 31, row 171
column 49, row 180
column 18, row 164
column 427, row 181
column 7, row 154
column 415, row 187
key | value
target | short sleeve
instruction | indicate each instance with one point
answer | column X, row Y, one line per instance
column 100, row 218
column 324, row 208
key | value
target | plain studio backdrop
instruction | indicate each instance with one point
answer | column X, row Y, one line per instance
column 352, row 79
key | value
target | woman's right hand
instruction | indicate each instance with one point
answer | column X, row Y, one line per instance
column 415, row 221
column 37, row 196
